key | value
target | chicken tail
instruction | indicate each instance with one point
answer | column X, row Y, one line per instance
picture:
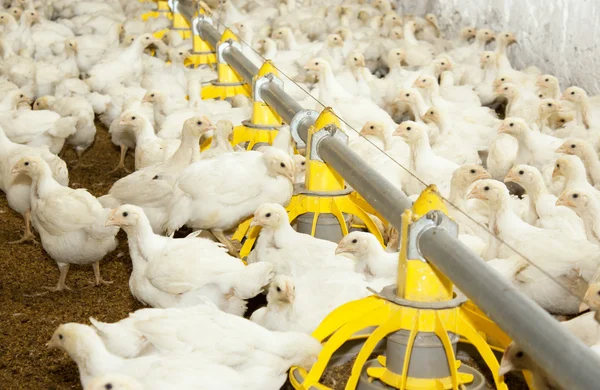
column 252, row 279
column 64, row 127
column 99, row 102
column 298, row 349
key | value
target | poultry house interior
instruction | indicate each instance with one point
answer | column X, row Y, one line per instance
column 299, row 194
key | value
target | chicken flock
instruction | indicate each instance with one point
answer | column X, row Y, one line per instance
column 418, row 107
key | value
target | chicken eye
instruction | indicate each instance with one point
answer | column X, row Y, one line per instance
column 486, row 188
column 199, row 123
column 155, row 177
column 132, row 118
column 575, row 196
column 512, row 125
column 151, row 95
column 487, row 33
column 60, row 336
column 409, row 128
column 519, row 354
column 487, row 57
column 547, row 80
column 21, row 96
column 408, row 95
column 557, row 165
column 521, row 172
column 303, row 163
column 443, row 63
column 507, row 36
column 354, row 241
column 26, row 163
column 278, row 289
column 267, row 215
column 573, row 146
column 282, row 165
column 549, row 104
column 180, row 53
column 355, row 59
column 572, row 93
column 371, row 127
column 108, row 386
column 125, row 213
column 472, row 171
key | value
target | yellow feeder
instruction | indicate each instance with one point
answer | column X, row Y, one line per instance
column 421, row 319
column 162, row 9
column 228, row 83
column 324, row 191
column 202, row 53
column 263, row 126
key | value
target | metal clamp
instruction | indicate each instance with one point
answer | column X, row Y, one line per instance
column 221, row 47
column 434, row 218
column 325, row 132
column 257, row 83
column 300, row 117
column 200, row 18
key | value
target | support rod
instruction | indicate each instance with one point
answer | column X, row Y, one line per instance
column 564, row 357
column 549, row 344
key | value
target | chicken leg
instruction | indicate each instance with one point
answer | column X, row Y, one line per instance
column 28, row 235
column 121, row 161
column 61, row 286
column 225, row 241
column 77, row 163
column 99, row 279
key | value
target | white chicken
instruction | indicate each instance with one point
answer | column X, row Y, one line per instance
column 71, row 223
column 172, row 272
column 234, row 186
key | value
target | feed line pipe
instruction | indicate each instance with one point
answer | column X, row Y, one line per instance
column 564, row 357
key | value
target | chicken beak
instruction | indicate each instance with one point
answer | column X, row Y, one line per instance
column 15, row 171
column 511, row 177
column 255, row 222
column 340, row 249
column 146, row 99
column 563, row 201
column 474, row 194
column 563, row 149
column 399, row 133
column 112, row 220
column 556, row 173
column 502, row 129
column 53, row 343
column 361, row 62
column 417, row 84
column 505, row 368
column 123, row 122
column 483, row 176
column 583, row 307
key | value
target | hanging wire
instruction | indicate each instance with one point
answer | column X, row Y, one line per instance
column 412, row 174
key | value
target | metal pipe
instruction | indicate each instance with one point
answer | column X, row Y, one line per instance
column 285, row 107
column 370, row 184
column 240, row 63
column 208, row 33
column 186, row 9
column 562, row 355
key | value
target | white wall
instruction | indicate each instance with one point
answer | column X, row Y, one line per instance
column 561, row 37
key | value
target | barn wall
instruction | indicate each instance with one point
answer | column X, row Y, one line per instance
column 561, row 37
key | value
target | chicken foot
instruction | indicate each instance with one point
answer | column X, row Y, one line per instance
column 28, row 235
column 98, row 278
column 61, row 286
column 233, row 250
column 121, row 165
